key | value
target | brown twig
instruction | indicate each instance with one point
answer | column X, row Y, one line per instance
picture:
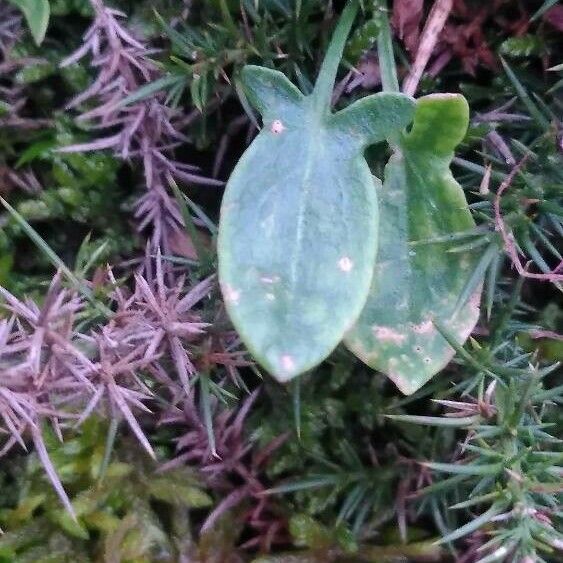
column 508, row 236
column 434, row 25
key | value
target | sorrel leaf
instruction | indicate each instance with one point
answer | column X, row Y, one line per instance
column 414, row 281
column 299, row 219
column 36, row 14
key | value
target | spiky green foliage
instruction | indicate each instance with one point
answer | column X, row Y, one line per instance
column 509, row 470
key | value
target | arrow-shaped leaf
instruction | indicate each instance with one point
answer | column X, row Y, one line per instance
column 416, row 282
column 36, row 14
column 298, row 229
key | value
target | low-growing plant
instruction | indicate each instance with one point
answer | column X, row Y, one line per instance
column 125, row 510
column 299, row 227
column 299, row 219
column 103, row 367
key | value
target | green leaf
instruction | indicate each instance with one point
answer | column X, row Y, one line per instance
column 69, row 524
column 35, row 72
column 205, row 399
column 5, row 108
column 306, row 531
column 468, row 469
column 532, row 108
column 385, row 55
column 543, row 9
column 178, row 488
column 36, row 14
column 146, row 91
column 204, row 257
column 305, row 484
column 298, row 230
column 523, row 46
column 461, row 422
column 416, row 283
column 473, row 524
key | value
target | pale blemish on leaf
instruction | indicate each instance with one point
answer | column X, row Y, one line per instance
column 423, row 328
column 270, row 279
column 277, row 127
column 387, row 334
column 287, row 363
column 345, row 264
column 270, row 297
column 475, row 300
column 231, row 295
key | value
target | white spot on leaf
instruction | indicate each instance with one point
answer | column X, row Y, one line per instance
column 231, row 295
column 475, row 300
column 345, row 264
column 423, row 328
column 277, row 127
column 287, row 363
column 270, row 279
column 387, row 334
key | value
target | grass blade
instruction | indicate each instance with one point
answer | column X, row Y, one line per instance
column 51, row 255
column 386, row 57
column 523, row 95
column 473, row 525
column 207, row 414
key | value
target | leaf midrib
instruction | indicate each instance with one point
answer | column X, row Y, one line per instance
column 315, row 129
